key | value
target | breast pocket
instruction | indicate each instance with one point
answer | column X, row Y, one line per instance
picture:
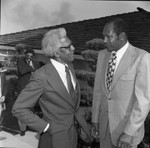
column 126, row 85
column 128, row 77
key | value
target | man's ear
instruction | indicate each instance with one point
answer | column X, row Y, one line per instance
column 122, row 35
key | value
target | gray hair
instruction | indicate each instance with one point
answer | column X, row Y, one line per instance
column 51, row 41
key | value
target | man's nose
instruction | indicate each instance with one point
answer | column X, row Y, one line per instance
column 72, row 48
column 105, row 40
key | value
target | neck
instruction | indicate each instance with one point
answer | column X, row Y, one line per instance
column 122, row 45
column 60, row 61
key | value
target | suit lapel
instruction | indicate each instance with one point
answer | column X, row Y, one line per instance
column 123, row 65
column 56, row 82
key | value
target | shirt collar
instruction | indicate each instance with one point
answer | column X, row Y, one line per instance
column 57, row 64
column 122, row 50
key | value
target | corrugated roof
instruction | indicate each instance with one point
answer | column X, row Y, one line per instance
column 82, row 31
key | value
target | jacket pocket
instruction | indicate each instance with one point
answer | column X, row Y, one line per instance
column 55, row 127
column 128, row 77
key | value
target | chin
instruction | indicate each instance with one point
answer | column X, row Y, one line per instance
column 110, row 50
column 71, row 60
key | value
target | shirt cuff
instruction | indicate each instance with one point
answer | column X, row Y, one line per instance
column 46, row 128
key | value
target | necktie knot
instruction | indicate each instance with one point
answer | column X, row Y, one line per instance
column 113, row 56
column 66, row 69
column 113, row 53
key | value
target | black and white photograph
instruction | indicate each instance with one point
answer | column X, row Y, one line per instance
column 75, row 74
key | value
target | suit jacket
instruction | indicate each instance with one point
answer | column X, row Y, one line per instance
column 58, row 107
column 24, row 72
column 3, row 83
column 128, row 102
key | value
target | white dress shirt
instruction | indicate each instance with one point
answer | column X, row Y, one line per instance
column 62, row 73
column 120, row 54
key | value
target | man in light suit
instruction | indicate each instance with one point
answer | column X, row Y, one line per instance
column 48, row 86
column 118, row 113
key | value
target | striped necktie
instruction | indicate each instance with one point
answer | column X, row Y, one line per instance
column 69, row 82
column 111, row 70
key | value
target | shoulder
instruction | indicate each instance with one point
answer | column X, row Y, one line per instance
column 142, row 56
column 21, row 60
column 102, row 52
column 42, row 70
column 36, row 62
column 138, row 51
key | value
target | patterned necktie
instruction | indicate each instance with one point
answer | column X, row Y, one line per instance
column 111, row 70
column 69, row 82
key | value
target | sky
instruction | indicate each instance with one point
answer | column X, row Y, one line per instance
column 21, row 15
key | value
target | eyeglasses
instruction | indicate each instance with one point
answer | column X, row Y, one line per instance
column 67, row 47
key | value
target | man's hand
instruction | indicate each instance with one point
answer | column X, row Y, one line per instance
column 124, row 141
column 95, row 130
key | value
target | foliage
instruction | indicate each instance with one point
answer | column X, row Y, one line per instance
column 95, row 44
column 86, row 76
column 90, row 55
column 10, row 65
column 86, row 98
column 11, row 71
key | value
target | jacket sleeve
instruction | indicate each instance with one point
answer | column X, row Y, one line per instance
column 27, row 100
column 96, row 102
column 141, row 106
